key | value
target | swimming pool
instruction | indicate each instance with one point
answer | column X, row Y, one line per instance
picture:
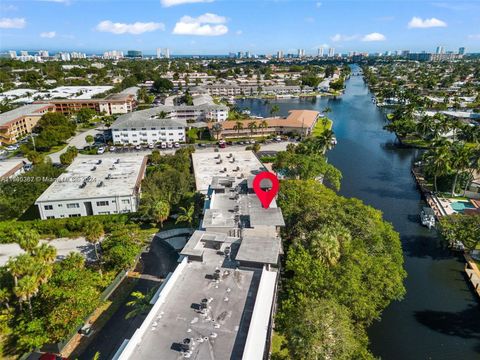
column 460, row 206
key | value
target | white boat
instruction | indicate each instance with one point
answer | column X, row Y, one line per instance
column 427, row 217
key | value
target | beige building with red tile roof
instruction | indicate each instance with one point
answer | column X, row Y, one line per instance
column 299, row 122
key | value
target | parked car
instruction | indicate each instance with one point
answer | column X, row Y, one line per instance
column 12, row 147
column 278, row 138
column 163, row 145
column 100, row 150
column 112, row 148
column 170, row 145
column 151, row 146
column 177, row 145
column 138, row 147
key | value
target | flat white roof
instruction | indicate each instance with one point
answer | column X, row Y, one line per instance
column 9, row 165
column 97, row 176
column 239, row 165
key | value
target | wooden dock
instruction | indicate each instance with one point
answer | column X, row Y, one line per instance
column 473, row 273
column 431, row 199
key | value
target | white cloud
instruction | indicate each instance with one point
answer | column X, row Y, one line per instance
column 201, row 25
column 417, row 22
column 168, row 3
column 340, row 37
column 12, row 23
column 474, row 36
column 134, row 28
column 375, row 36
column 48, row 34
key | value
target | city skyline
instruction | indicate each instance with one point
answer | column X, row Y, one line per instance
column 216, row 27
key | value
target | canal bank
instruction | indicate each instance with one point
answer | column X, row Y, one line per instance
column 439, row 317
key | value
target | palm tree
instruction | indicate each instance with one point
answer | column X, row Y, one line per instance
column 326, row 138
column 217, row 128
column 460, row 161
column 326, row 110
column 93, row 233
column 187, row 215
column 19, row 266
column 28, row 240
column 140, row 303
column 438, row 160
column 45, row 253
column 263, row 125
column 238, row 126
column 274, row 110
column 161, row 211
column 5, row 298
column 27, row 288
column 252, row 126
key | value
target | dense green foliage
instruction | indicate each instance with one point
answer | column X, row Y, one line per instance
column 68, row 156
column 169, row 181
column 53, row 129
column 19, row 193
column 340, row 251
column 464, row 228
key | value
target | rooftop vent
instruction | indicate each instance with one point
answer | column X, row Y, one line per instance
column 93, row 168
column 109, row 176
column 99, row 161
column 186, row 344
column 100, row 184
column 82, row 185
column 113, row 167
column 216, row 274
column 117, row 161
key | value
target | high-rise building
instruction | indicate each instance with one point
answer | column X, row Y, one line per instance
column 331, row 52
column 461, row 51
column 301, row 53
column 248, row 55
column 78, row 55
column 134, row 54
column 113, row 55
column 320, row 52
column 159, row 53
column 23, row 53
column 64, row 56
column 279, row 54
column 12, row 54
column 440, row 50
column 240, row 54
column 167, row 53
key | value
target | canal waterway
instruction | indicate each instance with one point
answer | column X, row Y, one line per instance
column 439, row 318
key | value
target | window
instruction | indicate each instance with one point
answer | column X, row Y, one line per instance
column 48, row 207
column 102, row 203
column 103, row 212
column 50, row 217
column 74, row 215
column 73, row 206
column 125, row 201
column 60, row 205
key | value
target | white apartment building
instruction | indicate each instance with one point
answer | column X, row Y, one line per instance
column 144, row 127
column 95, row 185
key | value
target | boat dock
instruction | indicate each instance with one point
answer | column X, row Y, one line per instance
column 430, row 198
column 473, row 273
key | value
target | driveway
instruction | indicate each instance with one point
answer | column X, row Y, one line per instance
column 78, row 141
column 64, row 246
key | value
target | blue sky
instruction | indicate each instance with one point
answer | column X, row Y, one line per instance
column 221, row 26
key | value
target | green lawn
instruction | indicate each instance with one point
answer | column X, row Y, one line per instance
column 322, row 125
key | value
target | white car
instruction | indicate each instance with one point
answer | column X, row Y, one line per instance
column 100, row 150
column 151, row 146
column 177, row 145
column 163, row 145
column 138, row 147
column 12, row 147
column 169, row 145
column 112, row 148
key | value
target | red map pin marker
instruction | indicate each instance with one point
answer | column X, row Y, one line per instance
column 265, row 196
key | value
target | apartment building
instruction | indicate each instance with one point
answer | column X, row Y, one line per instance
column 95, row 185
column 17, row 123
column 301, row 122
column 112, row 104
column 250, row 90
column 145, row 127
